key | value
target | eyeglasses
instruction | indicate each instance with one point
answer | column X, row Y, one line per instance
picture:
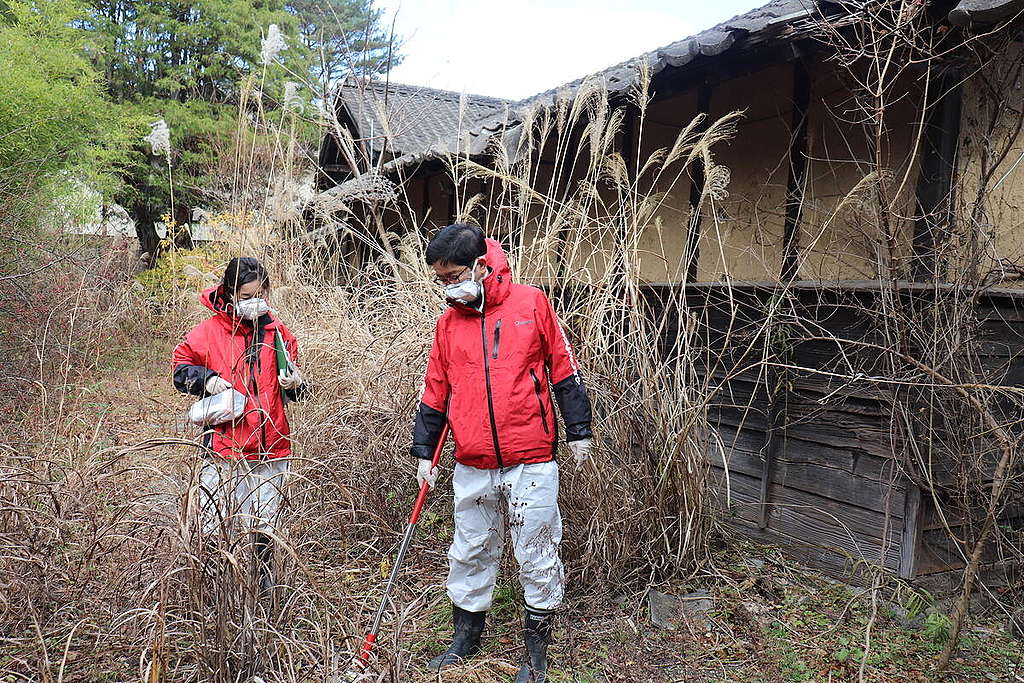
column 451, row 278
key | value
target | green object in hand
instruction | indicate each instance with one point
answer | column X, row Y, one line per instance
column 283, row 362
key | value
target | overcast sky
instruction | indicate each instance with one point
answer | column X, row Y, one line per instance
column 520, row 48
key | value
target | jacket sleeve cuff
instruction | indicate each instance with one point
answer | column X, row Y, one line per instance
column 191, row 379
column 422, row 451
column 578, row 431
column 426, row 431
column 298, row 393
column 574, row 402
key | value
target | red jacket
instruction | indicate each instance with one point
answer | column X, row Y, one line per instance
column 222, row 345
column 489, row 376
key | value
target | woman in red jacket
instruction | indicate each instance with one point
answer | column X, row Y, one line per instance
column 242, row 480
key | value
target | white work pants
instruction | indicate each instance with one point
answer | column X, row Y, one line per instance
column 241, row 494
column 525, row 497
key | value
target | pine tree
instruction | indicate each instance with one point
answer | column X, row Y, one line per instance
column 343, row 37
column 187, row 62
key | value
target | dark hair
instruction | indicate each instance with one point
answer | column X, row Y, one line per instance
column 242, row 271
column 458, row 244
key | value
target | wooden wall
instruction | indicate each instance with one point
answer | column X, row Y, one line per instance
column 805, row 457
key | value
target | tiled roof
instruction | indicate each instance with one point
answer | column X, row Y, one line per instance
column 982, row 12
column 441, row 131
column 773, row 19
column 400, row 119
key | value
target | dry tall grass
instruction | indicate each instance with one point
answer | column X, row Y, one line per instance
column 104, row 569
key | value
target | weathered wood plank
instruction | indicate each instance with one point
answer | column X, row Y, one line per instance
column 859, row 521
column 813, row 520
column 746, row 445
column 864, row 481
column 828, row 561
column 911, row 531
column 837, row 429
column 937, row 552
column 861, row 398
column 838, row 454
column 931, row 519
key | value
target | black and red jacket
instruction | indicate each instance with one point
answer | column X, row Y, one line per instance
column 490, row 374
column 242, row 352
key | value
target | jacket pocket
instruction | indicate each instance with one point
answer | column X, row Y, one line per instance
column 540, row 401
column 497, row 339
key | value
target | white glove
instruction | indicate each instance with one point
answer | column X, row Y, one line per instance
column 217, row 384
column 290, row 378
column 580, row 451
column 424, row 473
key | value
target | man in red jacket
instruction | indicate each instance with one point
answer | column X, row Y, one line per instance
column 497, row 351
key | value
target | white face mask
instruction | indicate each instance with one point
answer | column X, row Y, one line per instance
column 466, row 291
column 251, row 309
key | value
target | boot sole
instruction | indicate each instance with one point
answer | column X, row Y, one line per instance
column 438, row 663
column 443, row 660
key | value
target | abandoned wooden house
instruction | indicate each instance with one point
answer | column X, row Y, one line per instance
column 793, row 267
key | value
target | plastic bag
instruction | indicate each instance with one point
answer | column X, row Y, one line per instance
column 217, row 409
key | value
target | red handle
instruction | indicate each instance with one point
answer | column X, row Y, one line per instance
column 425, row 487
column 364, row 652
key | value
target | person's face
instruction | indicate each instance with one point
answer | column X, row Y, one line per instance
column 449, row 274
column 249, row 290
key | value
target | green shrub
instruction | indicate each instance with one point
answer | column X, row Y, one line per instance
column 180, row 270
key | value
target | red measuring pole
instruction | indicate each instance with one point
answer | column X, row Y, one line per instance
column 363, row 658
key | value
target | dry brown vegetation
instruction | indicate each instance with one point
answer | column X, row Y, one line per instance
column 103, row 575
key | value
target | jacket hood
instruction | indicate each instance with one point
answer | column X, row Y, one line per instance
column 217, row 300
column 498, row 281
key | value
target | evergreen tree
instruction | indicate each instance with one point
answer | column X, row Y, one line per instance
column 188, row 62
column 56, row 125
column 343, row 37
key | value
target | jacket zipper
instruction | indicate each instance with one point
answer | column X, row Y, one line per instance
column 256, row 395
column 487, row 381
column 540, row 401
column 497, row 336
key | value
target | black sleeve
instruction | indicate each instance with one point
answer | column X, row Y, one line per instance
column 298, row 393
column 574, row 403
column 426, row 431
column 191, row 379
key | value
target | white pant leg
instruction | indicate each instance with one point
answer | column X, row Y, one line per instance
column 475, row 553
column 536, row 525
column 242, row 494
column 216, row 493
column 263, row 489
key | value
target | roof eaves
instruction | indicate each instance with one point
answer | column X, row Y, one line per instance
column 364, row 100
column 984, row 12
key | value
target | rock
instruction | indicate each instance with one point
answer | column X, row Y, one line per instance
column 979, row 603
column 192, row 272
column 903, row 618
column 1015, row 626
column 664, row 609
column 698, row 603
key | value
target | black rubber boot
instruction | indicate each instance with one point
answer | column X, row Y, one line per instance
column 466, row 641
column 537, row 635
column 264, row 549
